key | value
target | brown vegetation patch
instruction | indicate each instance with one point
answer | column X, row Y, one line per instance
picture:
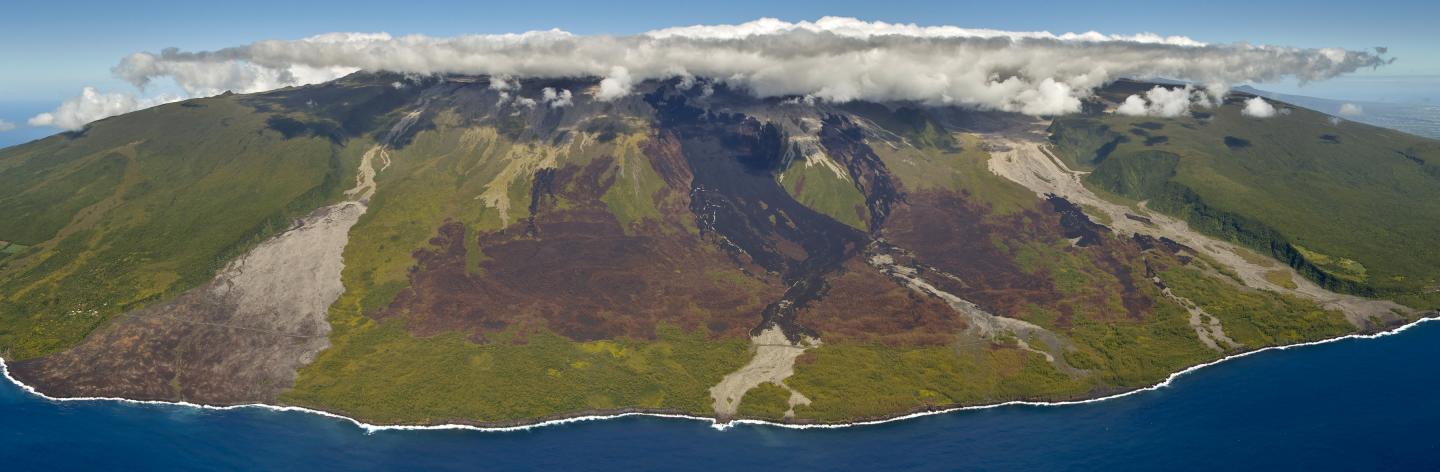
column 1116, row 257
column 668, row 160
column 576, row 272
column 949, row 233
column 160, row 354
column 864, row 305
column 953, row 235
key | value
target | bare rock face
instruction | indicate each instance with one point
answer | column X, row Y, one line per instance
column 238, row 339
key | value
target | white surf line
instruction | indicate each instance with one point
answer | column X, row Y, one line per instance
column 373, row 428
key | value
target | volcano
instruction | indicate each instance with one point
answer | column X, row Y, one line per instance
column 452, row 249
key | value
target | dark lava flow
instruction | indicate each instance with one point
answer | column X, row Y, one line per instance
column 737, row 200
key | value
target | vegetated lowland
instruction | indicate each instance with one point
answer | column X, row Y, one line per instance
column 508, row 261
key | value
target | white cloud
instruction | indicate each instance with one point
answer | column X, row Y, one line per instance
column 92, row 105
column 213, row 77
column 1133, row 106
column 1214, row 95
column 1164, row 102
column 808, row 100
column 504, row 83
column 615, row 85
column 859, row 29
column 1169, row 102
column 1049, row 97
column 1351, row 109
column 833, row 59
column 556, row 99
column 1258, row 107
column 6, row 126
column 687, row 81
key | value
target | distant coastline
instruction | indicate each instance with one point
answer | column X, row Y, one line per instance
column 714, row 422
column 1414, row 117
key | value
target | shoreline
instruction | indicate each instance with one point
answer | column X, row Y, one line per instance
column 369, row 428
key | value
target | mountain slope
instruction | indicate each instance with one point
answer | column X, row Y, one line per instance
column 136, row 209
column 441, row 250
column 1346, row 203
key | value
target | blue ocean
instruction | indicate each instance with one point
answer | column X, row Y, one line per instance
column 1348, row 405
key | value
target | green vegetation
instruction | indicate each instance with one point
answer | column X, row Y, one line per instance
column 1337, row 266
column 437, row 176
column 1089, row 290
column 962, row 168
column 1083, row 144
column 48, row 203
column 631, row 198
column 767, row 401
column 1135, row 175
column 821, row 189
column 913, row 125
column 1109, row 339
column 850, row 381
column 847, row 380
column 1098, row 215
column 137, row 209
column 378, row 371
column 9, row 249
column 1253, row 258
column 1336, row 201
column 1130, row 353
column 1120, row 350
column 1256, row 318
column 1281, row 278
column 471, row 175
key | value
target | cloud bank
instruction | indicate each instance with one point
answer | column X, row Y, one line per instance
column 6, row 126
column 92, row 105
column 834, row 59
column 1351, row 109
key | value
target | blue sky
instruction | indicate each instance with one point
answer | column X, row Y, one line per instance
column 50, row 50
